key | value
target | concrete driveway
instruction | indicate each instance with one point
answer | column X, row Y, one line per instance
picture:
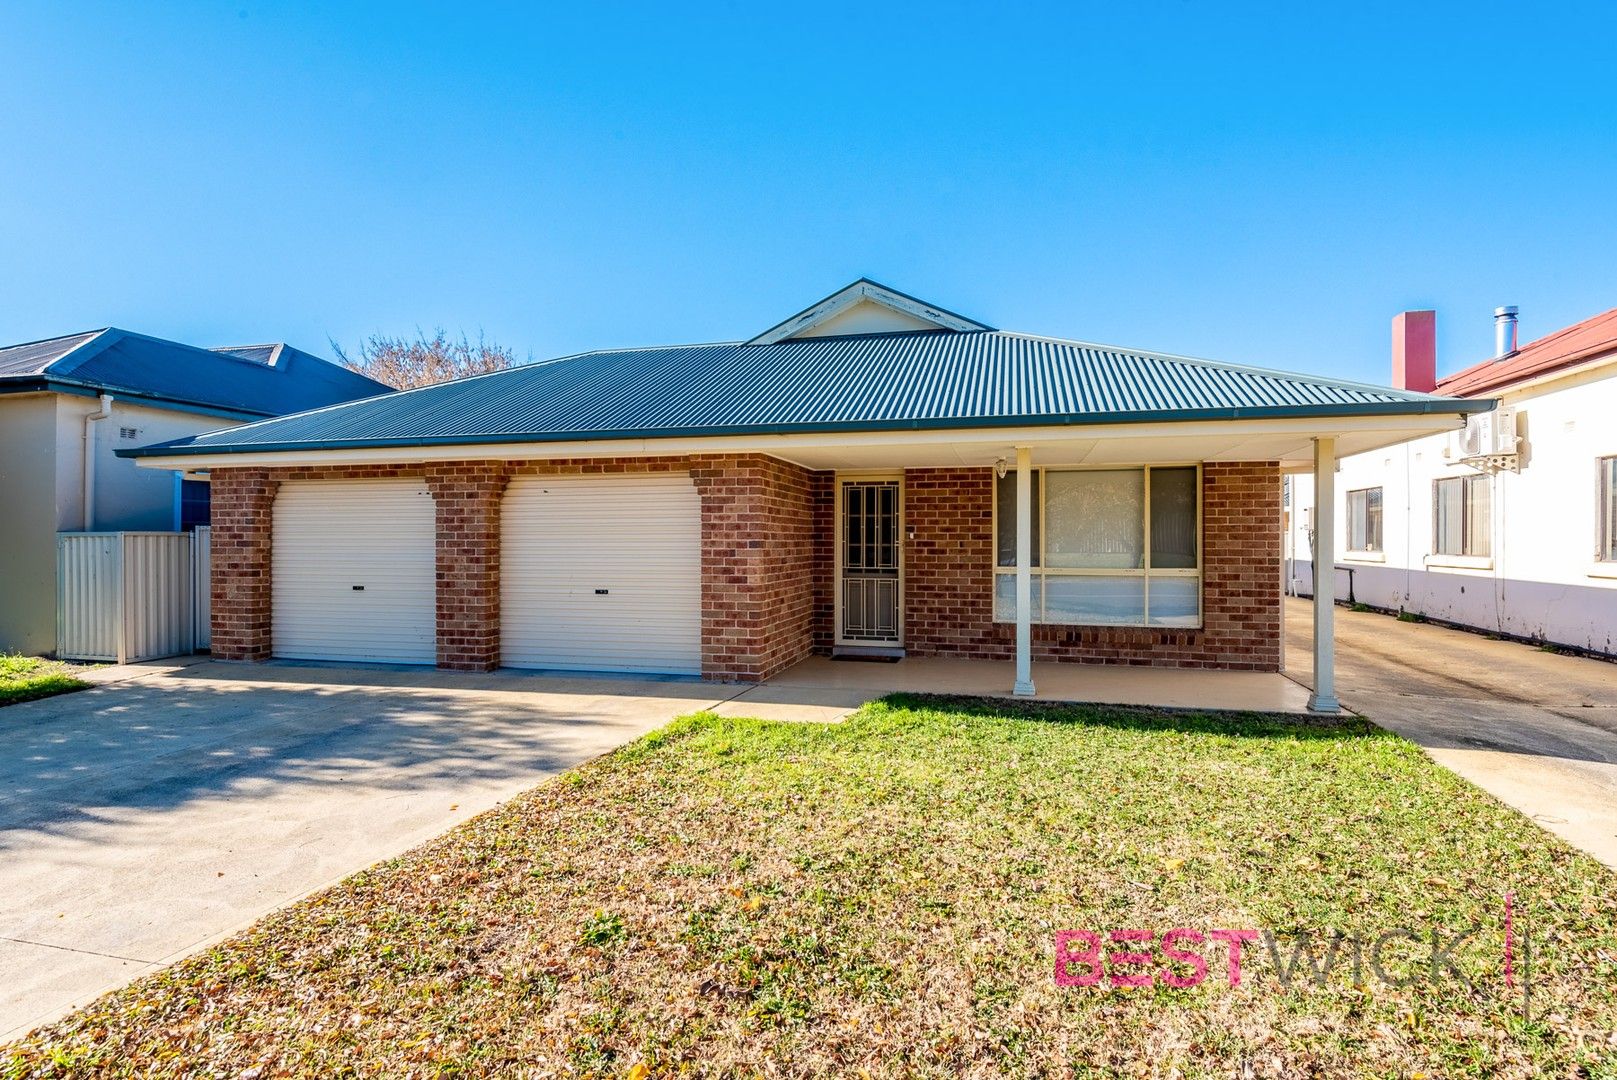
column 1535, row 729
column 149, row 817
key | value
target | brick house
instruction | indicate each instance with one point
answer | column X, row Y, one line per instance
column 875, row 475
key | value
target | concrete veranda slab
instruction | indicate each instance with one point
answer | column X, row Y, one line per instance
column 1167, row 688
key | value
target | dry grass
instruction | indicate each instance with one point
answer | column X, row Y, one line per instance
column 732, row 897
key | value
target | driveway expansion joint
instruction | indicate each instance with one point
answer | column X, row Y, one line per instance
column 71, row 949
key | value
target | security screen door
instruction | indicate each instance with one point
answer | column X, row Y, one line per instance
column 870, row 586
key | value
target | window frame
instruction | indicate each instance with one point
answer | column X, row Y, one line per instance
column 180, row 524
column 1465, row 481
column 1381, row 511
column 1606, row 510
column 1145, row 572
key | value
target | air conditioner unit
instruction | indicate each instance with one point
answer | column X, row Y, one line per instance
column 1489, row 440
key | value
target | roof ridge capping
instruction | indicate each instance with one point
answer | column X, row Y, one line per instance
column 95, row 343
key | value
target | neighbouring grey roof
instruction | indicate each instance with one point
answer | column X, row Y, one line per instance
column 36, row 356
column 238, row 383
column 927, row 379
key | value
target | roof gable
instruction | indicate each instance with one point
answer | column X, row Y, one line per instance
column 866, row 307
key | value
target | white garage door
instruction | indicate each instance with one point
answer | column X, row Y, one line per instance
column 353, row 572
column 602, row 574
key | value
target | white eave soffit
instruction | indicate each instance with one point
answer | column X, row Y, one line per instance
column 866, row 292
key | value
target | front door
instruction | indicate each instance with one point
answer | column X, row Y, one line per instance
column 869, row 594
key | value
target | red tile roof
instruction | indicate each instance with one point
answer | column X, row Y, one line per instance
column 1562, row 349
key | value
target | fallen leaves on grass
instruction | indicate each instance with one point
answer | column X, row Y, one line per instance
column 732, row 897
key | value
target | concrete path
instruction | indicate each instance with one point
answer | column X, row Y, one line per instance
column 173, row 804
column 1535, row 729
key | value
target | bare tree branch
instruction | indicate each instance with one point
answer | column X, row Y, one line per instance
column 405, row 363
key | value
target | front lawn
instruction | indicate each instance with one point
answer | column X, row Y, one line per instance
column 26, row 678
column 883, row 897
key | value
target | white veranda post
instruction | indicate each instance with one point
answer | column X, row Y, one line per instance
column 1324, row 696
column 1024, row 572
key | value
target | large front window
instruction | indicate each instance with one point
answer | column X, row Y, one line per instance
column 1110, row 547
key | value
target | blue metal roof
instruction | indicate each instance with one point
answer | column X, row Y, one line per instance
column 926, row 379
column 243, row 383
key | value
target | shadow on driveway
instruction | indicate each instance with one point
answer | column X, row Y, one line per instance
column 158, row 744
column 141, row 819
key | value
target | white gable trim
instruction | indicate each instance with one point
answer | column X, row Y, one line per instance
column 861, row 291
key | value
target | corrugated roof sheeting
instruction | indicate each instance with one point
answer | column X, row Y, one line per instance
column 925, row 379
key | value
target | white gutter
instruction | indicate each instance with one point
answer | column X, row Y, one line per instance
column 89, row 459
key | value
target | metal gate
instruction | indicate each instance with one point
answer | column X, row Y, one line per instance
column 127, row 596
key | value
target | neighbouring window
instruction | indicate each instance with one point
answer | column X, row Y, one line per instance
column 195, row 503
column 1608, row 509
column 1110, row 547
column 1462, row 516
column 1364, row 519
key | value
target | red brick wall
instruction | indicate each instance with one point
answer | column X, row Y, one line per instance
column 764, row 589
column 767, row 541
column 467, row 497
column 949, row 607
column 243, row 500
column 823, row 559
column 759, row 583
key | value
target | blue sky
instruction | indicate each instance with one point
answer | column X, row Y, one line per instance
column 1264, row 184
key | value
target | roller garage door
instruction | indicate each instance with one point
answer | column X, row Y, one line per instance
column 602, row 573
column 353, row 572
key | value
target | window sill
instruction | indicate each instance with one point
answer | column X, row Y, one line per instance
column 1604, row 570
column 1364, row 556
column 1459, row 562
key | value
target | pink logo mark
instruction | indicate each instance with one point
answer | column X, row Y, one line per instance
column 1087, row 966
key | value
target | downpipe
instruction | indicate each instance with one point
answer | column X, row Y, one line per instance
column 102, row 413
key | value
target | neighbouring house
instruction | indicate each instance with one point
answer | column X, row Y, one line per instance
column 876, row 475
column 67, row 403
column 1509, row 525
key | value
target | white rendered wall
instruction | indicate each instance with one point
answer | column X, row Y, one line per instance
column 42, row 485
column 1543, row 579
column 126, row 496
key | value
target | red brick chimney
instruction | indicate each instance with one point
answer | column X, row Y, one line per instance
column 1414, row 351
